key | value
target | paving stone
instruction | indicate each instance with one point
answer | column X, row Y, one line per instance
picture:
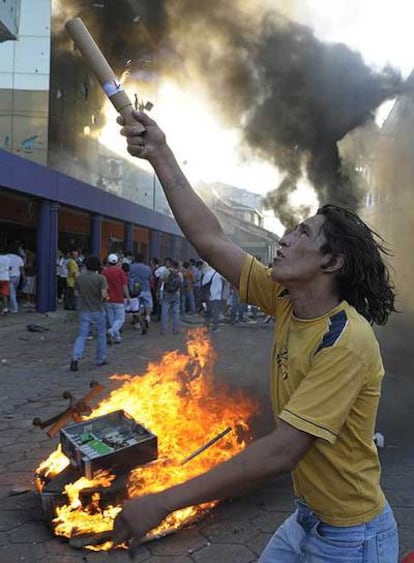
column 33, row 387
column 17, row 466
column 224, row 554
column 10, row 520
column 24, row 501
column 73, row 558
column 170, row 559
column 258, row 543
column 404, row 516
column 240, row 509
column 116, row 556
column 30, row 532
column 184, row 541
column 228, row 531
column 268, row 522
column 401, row 497
column 27, row 553
column 15, row 478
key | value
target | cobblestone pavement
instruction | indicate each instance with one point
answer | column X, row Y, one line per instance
column 34, row 371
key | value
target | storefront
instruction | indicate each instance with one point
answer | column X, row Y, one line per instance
column 46, row 211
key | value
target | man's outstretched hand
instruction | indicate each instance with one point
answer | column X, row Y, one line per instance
column 138, row 517
column 143, row 144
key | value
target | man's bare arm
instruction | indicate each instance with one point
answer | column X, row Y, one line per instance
column 196, row 220
column 273, row 454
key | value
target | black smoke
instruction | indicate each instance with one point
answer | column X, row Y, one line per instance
column 293, row 96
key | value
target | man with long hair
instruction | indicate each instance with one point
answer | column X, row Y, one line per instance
column 328, row 285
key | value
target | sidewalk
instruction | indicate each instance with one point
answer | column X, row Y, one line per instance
column 34, row 371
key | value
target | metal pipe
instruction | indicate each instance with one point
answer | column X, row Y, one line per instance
column 206, row 445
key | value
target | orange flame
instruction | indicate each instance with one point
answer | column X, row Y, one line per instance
column 178, row 401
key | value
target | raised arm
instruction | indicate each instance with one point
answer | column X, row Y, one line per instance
column 197, row 222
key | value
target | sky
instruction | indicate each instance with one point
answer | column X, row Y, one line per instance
column 381, row 30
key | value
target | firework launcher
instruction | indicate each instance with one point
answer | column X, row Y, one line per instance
column 102, row 70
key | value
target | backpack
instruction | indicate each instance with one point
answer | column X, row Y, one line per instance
column 135, row 289
column 205, row 290
column 172, row 283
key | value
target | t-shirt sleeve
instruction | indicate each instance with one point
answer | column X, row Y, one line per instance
column 257, row 287
column 321, row 403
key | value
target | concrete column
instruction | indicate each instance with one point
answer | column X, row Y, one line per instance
column 47, row 240
column 96, row 235
column 155, row 244
column 190, row 251
column 173, row 247
column 129, row 237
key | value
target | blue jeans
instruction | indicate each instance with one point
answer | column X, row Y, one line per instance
column 86, row 319
column 170, row 302
column 145, row 302
column 213, row 313
column 304, row 538
column 13, row 285
column 115, row 315
column 188, row 301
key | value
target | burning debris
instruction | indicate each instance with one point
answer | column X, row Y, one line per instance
column 175, row 411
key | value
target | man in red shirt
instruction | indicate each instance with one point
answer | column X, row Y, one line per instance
column 117, row 291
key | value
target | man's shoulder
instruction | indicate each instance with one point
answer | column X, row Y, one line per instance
column 349, row 330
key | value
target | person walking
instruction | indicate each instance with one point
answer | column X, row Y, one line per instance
column 211, row 289
column 5, row 268
column 187, row 291
column 16, row 275
column 328, row 285
column 196, row 269
column 91, row 287
column 140, row 275
column 171, row 283
column 61, row 276
column 73, row 272
column 117, row 292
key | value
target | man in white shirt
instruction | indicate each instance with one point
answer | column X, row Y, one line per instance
column 215, row 281
column 16, row 273
column 4, row 281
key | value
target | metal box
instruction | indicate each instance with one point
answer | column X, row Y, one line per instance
column 114, row 441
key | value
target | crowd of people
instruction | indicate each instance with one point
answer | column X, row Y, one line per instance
column 125, row 286
column 17, row 277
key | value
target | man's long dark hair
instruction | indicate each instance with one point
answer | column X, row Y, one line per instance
column 364, row 280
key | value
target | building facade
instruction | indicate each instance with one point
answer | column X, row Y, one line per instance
column 240, row 214
column 61, row 185
column 67, row 180
column 389, row 204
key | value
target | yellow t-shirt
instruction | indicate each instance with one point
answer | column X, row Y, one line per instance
column 326, row 381
column 73, row 272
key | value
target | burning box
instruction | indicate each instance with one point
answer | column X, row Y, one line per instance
column 113, row 441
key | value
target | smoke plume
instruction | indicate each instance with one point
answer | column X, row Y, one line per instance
column 293, row 96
